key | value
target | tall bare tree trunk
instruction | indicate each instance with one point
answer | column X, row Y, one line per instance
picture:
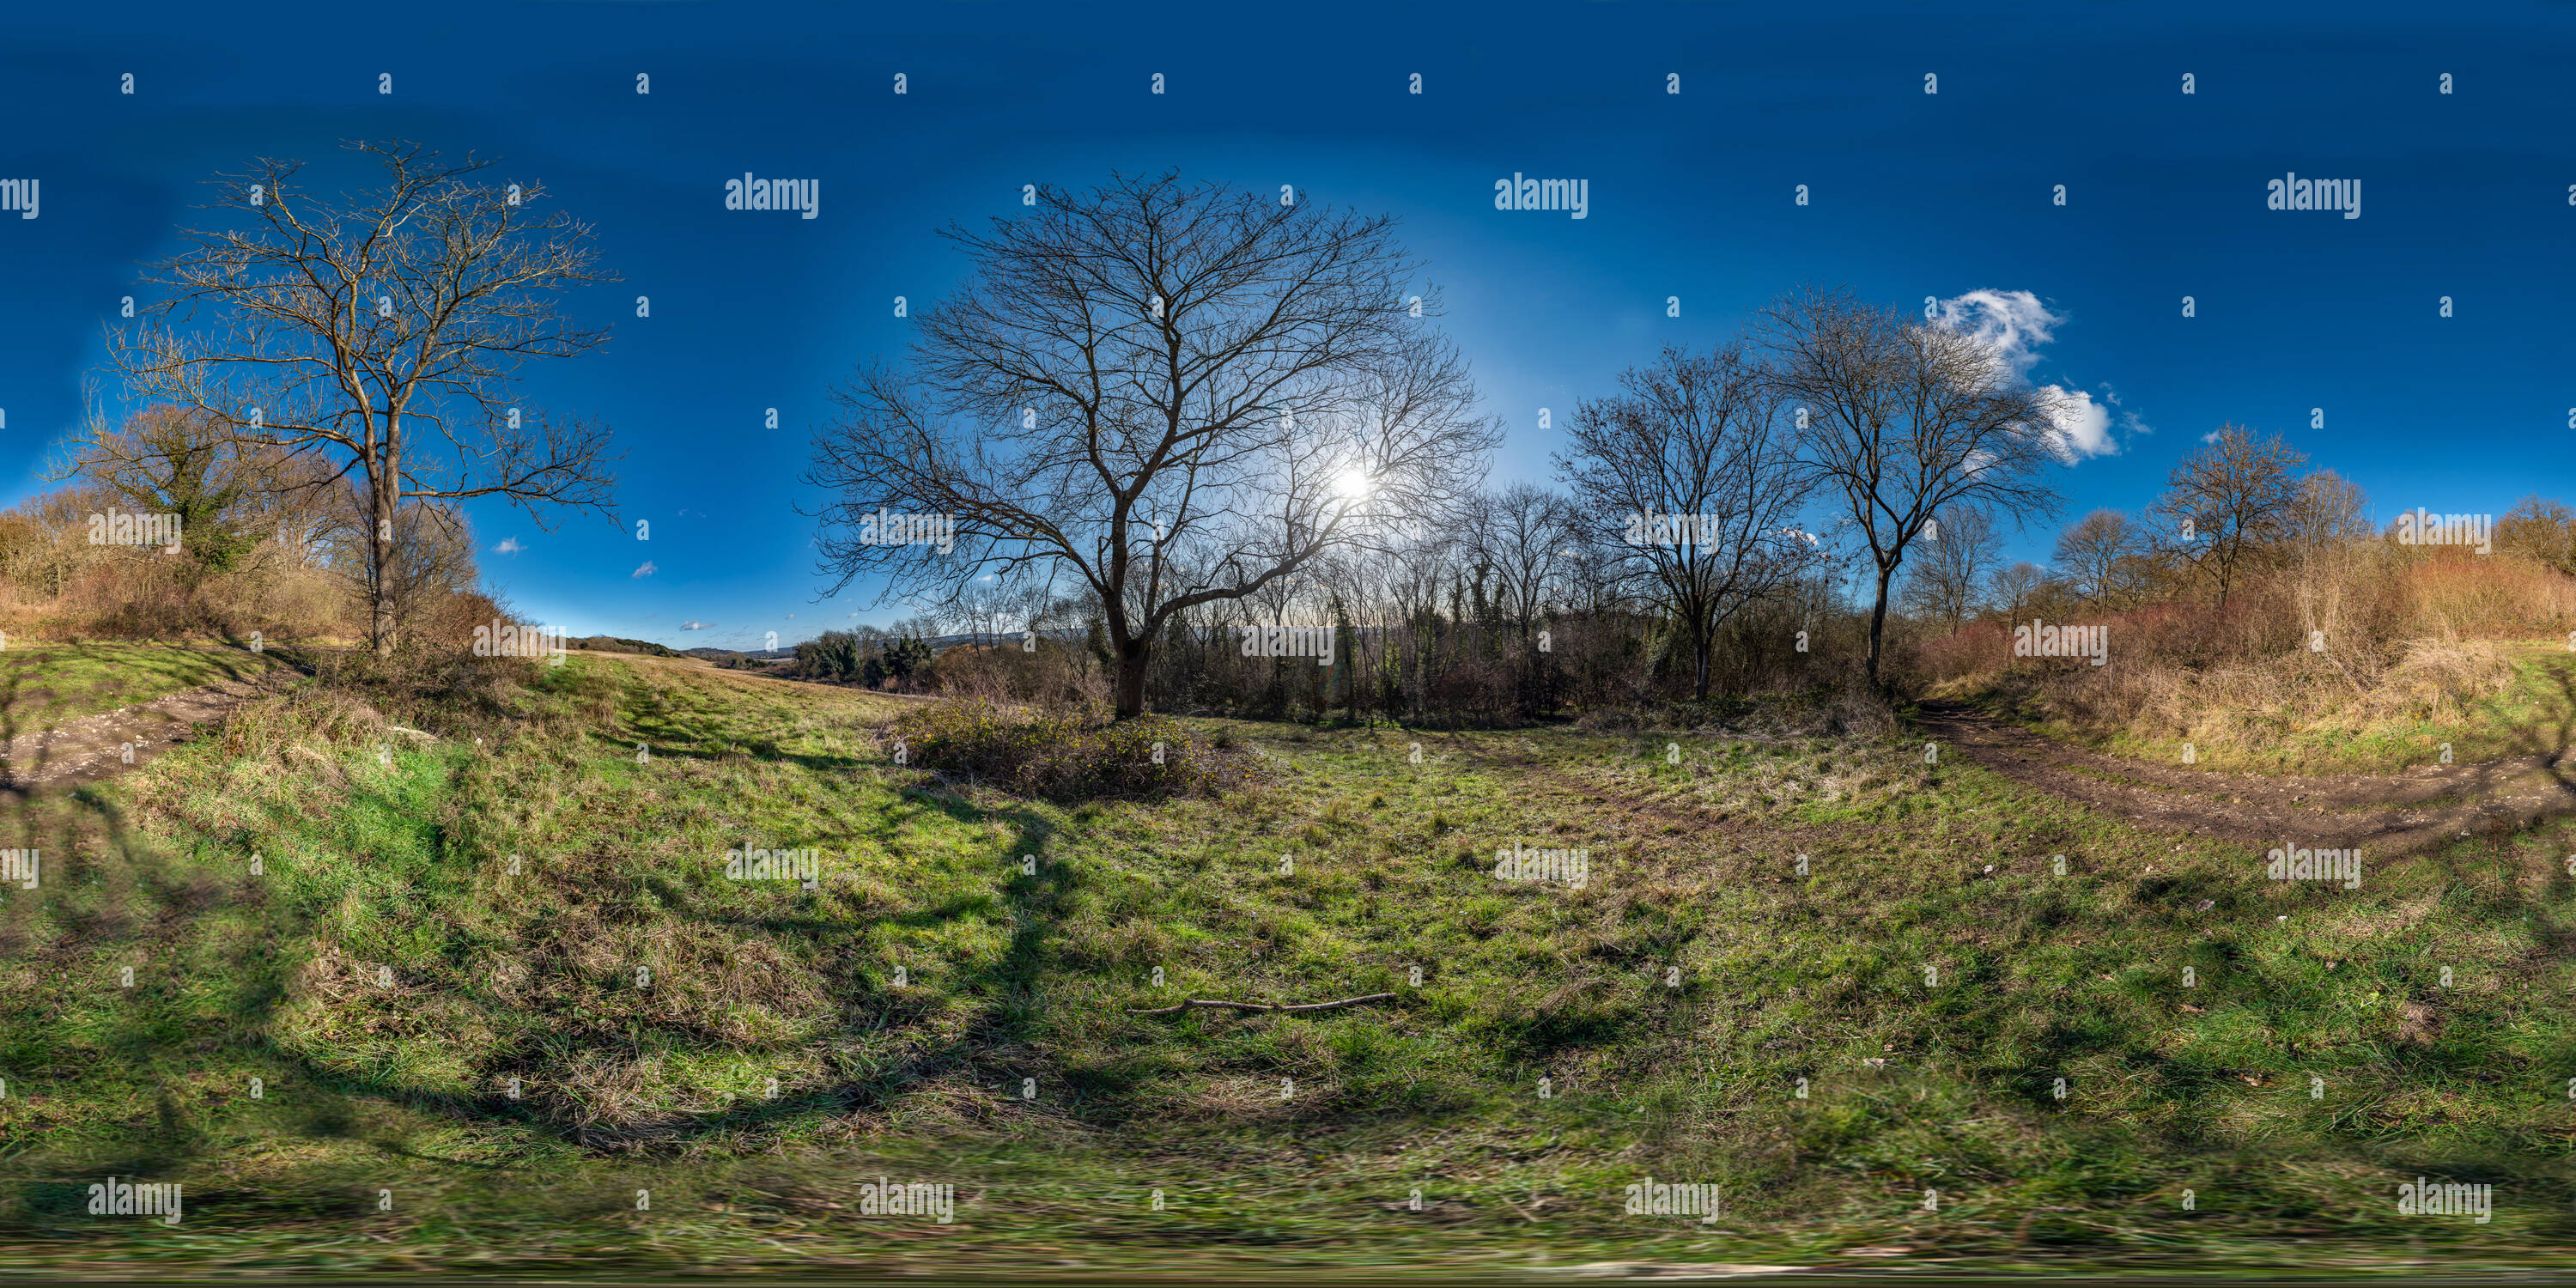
column 1878, row 624
column 1703, row 643
column 383, row 485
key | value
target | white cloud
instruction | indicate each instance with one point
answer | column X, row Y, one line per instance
column 2129, row 421
column 508, row 546
column 646, row 571
column 696, row 626
column 2083, row 426
column 2010, row 326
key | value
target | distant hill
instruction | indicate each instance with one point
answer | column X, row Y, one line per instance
column 719, row 654
column 612, row 644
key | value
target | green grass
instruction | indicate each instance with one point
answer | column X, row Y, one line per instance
column 45, row 684
column 390, row 970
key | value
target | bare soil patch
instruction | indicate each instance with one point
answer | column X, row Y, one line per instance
column 88, row 748
column 2387, row 813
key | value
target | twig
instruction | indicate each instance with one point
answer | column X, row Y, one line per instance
column 1258, row 1006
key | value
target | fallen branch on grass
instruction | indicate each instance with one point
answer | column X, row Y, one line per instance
column 1258, row 1006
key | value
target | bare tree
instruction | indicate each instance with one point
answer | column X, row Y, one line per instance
column 342, row 326
column 2225, row 504
column 1176, row 393
column 1698, row 468
column 1904, row 418
column 2328, row 511
column 1948, row 574
column 2541, row 530
column 985, row 606
column 2093, row 554
column 1523, row 536
column 2017, row 585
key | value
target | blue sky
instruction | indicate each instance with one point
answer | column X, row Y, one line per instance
column 2465, row 194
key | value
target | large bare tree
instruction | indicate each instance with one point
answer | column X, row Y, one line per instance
column 1694, row 468
column 1905, row 418
column 382, row 330
column 2226, row 506
column 1177, row 393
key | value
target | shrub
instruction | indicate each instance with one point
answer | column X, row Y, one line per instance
column 1006, row 673
column 1064, row 755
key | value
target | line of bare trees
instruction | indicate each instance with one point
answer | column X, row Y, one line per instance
column 1163, row 417
column 1198, row 410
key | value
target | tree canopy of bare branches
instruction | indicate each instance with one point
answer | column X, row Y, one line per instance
column 2226, row 504
column 1948, row 575
column 1522, row 536
column 343, row 326
column 1173, row 394
column 1695, row 467
column 2092, row 554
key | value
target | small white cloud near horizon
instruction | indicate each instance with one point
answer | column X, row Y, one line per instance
column 696, row 626
column 508, row 546
column 646, row 571
column 2010, row 326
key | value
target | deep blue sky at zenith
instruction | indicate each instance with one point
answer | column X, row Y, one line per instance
column 1691, row 195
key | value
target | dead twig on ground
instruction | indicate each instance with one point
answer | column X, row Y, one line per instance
column 1259, row 1006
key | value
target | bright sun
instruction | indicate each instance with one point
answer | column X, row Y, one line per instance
column 1355, row 484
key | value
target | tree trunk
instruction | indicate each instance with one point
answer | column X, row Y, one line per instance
column 1703, row 644
column 1131, row 677
column 1878, row 625
column 385, row 498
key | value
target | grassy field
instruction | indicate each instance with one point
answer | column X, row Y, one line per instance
column 44, row 684
column 504, row 1007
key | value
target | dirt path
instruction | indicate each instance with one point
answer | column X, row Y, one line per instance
column 2386, row 813
column 89, row 748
